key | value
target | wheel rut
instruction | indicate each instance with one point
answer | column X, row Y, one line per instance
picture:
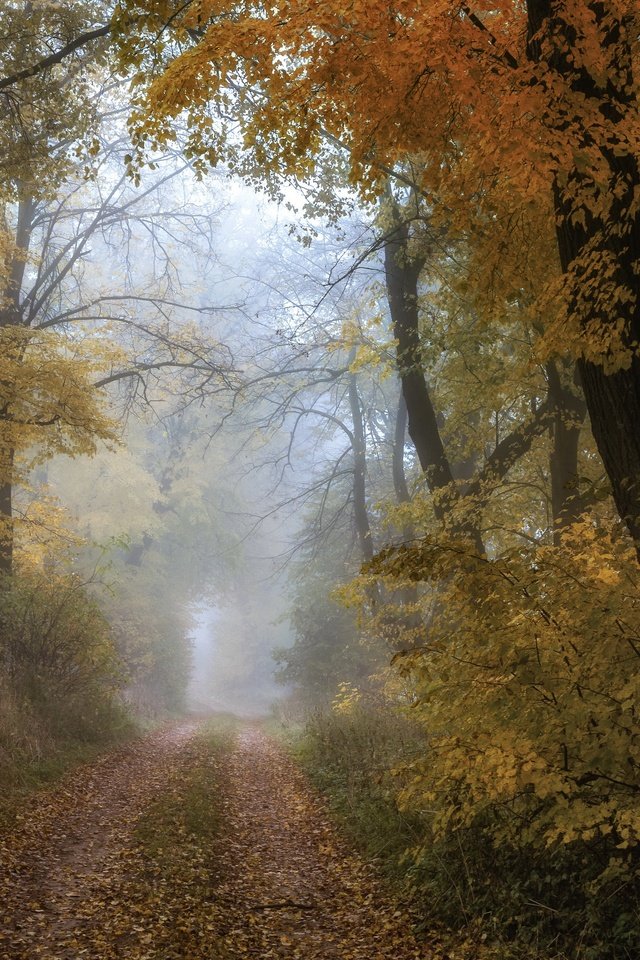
column 277, row 880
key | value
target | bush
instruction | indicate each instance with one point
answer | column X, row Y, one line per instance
column 352, row 755
column 525, row 684
column 61, row 675
column 530, row 902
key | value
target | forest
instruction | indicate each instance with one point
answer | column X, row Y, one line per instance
column 320, row 479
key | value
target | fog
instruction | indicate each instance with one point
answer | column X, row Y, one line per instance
column 191, row 460
column 196, row 525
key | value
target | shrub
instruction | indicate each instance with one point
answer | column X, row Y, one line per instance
column 352, row 755
column 59, row 664
column 526, row 685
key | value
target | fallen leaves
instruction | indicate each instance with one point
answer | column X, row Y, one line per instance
column 184, row 847
column 64, row 857
column 292, row 888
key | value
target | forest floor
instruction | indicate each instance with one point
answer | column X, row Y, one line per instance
column 187, row 845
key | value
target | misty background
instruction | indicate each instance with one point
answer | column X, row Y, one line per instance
column 219, row 514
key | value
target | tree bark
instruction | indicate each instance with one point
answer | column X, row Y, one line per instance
column 409, row 619
column 568, row 418
column 397, row 463
column 11, row 315
column 360, row 513
column 6, row 516
column 598, row 233
column 402, row 272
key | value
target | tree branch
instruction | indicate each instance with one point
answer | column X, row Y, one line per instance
column 81, row 41
column 508, row 452
column 506, row 55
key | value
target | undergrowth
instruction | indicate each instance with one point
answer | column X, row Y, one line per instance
column 35, row 750
column 351, row 759
column 60, row 681
column 524, row 903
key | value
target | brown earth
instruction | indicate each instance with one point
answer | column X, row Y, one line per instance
column 292, row 887
column 278, row 881
column 54, row 860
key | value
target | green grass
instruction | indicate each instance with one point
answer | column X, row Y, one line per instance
column 190, row 807
column 351, row 760
column 170, row 887
column 161, row 896
column 514, row 902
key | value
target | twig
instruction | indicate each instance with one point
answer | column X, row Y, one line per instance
column 283, row 905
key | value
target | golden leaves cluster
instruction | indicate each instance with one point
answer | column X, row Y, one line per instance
column 48, row 405
column 526, row 681
column 493, row 128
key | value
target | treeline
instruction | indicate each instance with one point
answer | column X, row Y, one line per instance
column 106, row 531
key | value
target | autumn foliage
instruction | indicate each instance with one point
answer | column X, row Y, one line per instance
column 495, row 149
column 513, row 131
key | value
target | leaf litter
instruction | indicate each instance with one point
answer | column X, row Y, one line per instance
column 260, row 872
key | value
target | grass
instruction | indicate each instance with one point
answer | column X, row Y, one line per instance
column 24, row 770
column 190, row 808
column 158, row 894
column 351, row 760
column 175, row 867
column 509, row 902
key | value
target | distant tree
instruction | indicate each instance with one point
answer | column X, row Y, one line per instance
column 70, row 330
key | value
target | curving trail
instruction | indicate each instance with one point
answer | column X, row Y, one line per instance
column 278, row 882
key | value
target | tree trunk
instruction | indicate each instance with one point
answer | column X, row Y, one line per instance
column 598, row 233
column 397, row 463
column 569, row 414
column 10, row 312
column 613, row 401
column 360, row 513
column 11, row 315
column 410, row 628
column 6, row 516
column 401, row 273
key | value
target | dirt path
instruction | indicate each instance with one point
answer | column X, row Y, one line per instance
column 67, row 842
column 277, row 883
column 293, row 889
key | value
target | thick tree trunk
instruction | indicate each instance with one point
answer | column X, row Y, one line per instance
column 598, row 232
column 614, row 408
column 402, row 273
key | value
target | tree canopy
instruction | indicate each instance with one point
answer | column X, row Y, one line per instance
column 517, row 121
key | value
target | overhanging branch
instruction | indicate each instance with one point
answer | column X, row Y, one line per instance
column 80, row 41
